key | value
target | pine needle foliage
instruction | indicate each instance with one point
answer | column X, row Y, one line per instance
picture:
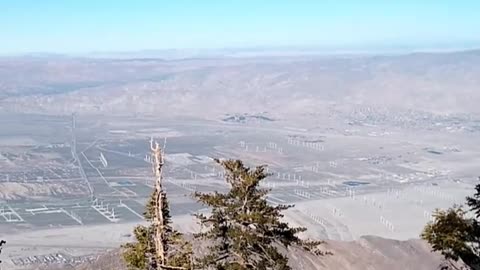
column 455, row 234
column 245, row 231
column 474, row 201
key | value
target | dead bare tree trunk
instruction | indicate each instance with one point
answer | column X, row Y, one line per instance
column 160, row 239
column 158, row 219
column 163, row 247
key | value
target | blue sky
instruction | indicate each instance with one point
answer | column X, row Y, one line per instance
column 127, row 25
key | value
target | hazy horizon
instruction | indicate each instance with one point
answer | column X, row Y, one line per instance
column 90, row 27
column 185, row 53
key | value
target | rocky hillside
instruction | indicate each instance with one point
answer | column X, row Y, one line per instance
column 368, row 253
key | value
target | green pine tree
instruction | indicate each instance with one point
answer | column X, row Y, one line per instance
column 243, row 229
column 474, row 202
column 456, row 236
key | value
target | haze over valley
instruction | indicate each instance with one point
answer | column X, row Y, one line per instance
column 361, row 144
column 283, row 87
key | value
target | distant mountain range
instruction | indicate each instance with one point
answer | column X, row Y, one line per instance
column 283, row 86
